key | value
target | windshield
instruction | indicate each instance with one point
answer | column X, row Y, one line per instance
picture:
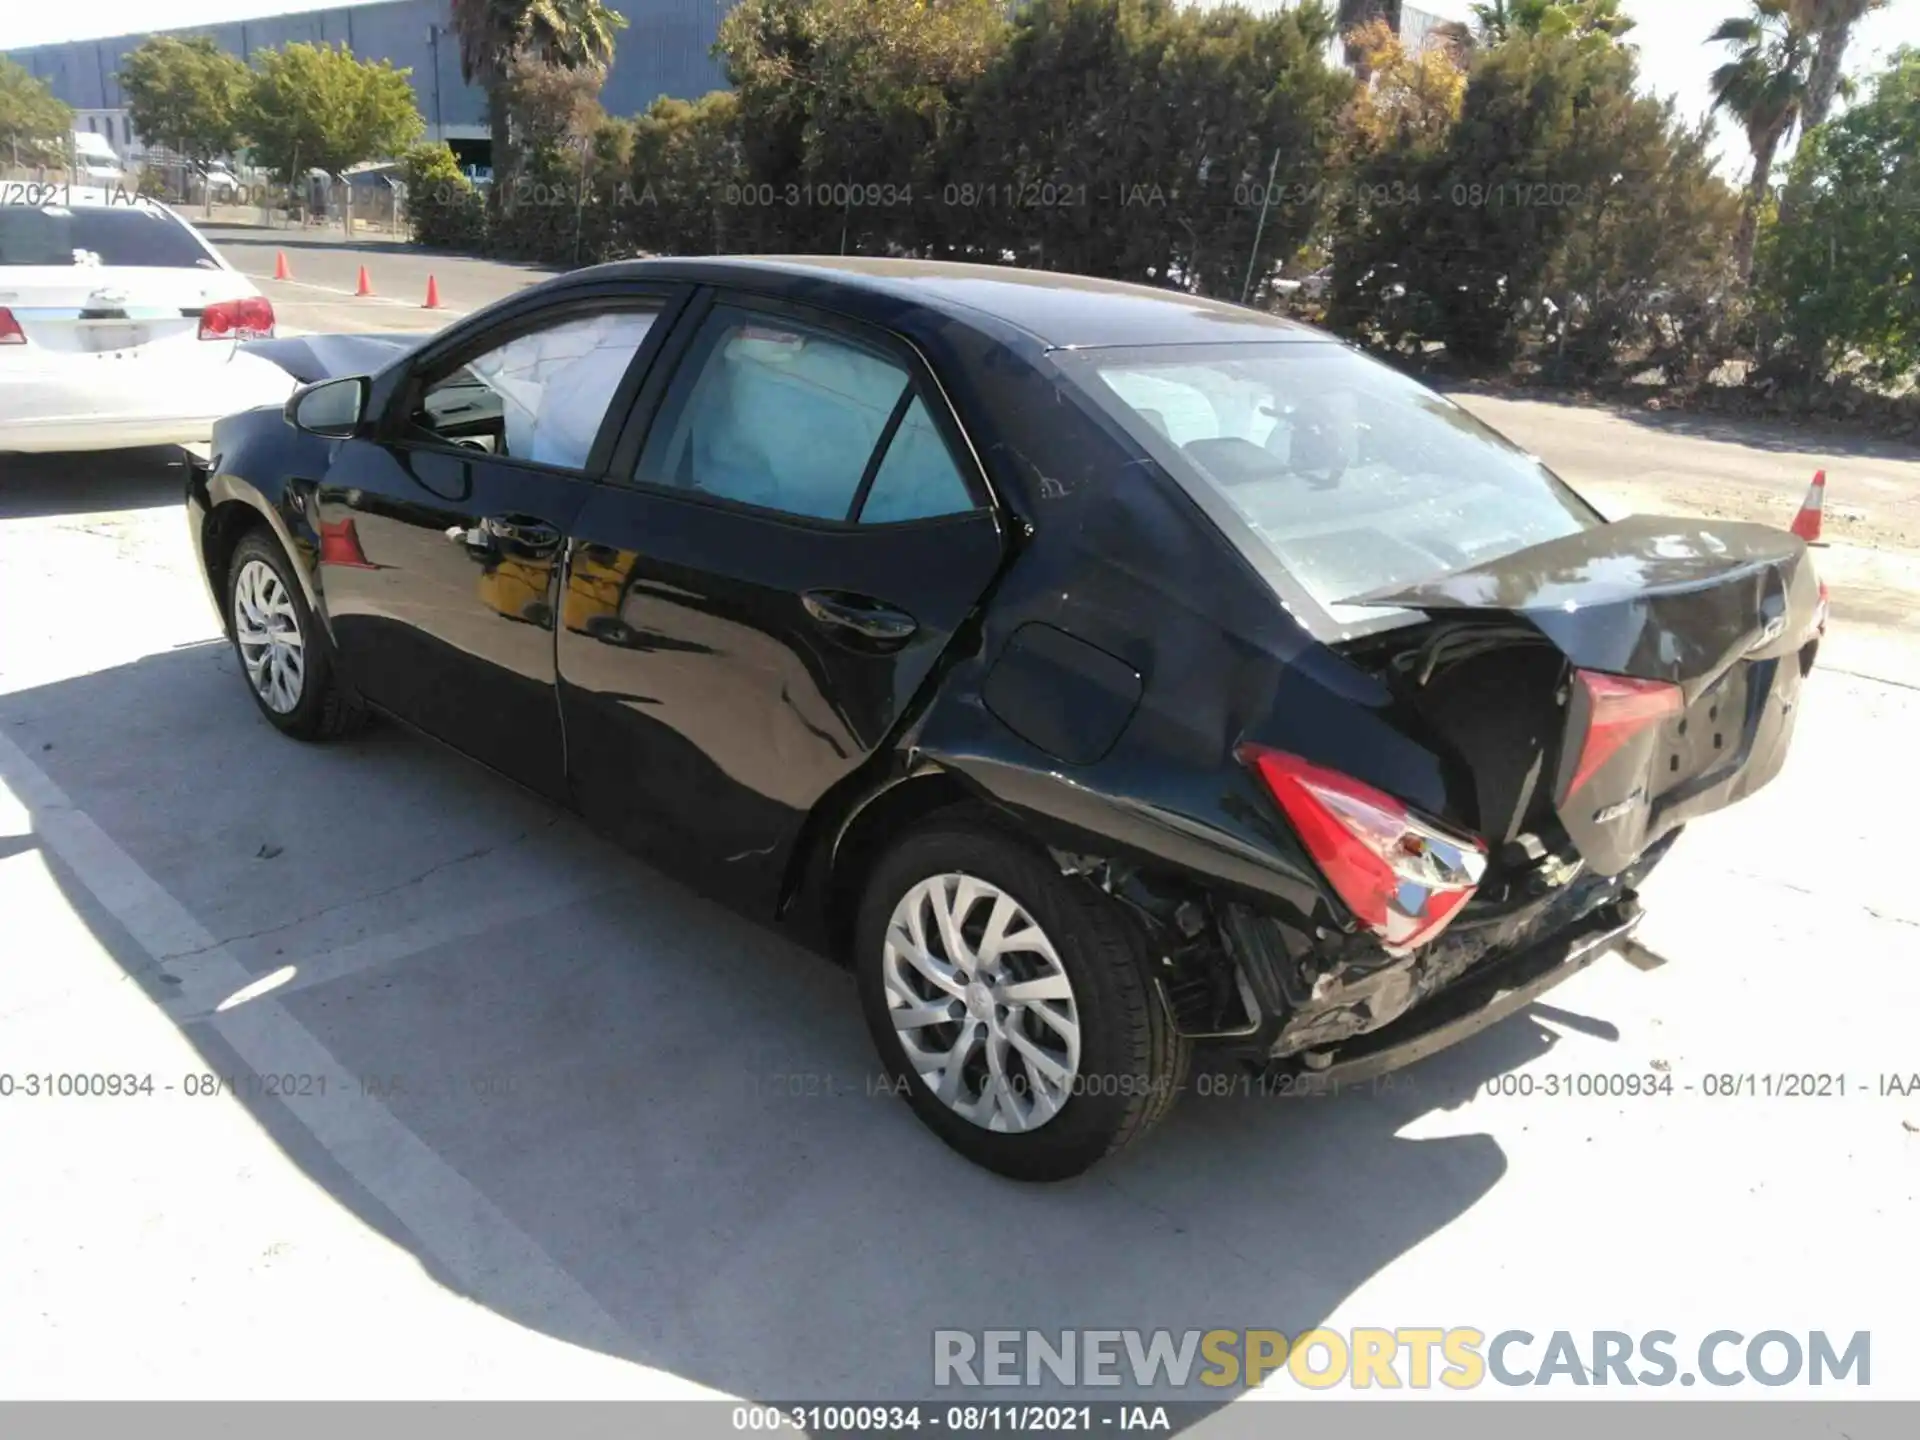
column 1349, row 475
column 135, row 235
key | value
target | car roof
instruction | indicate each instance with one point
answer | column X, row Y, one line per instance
column 1058, row 309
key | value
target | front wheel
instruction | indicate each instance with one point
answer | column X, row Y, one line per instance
column 1012, row 1005
column 283, row 655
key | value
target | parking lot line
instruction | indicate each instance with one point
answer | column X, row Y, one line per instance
column 480, row 1247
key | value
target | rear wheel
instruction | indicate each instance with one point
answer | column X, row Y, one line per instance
column 283, row 656
column 1012, row 1005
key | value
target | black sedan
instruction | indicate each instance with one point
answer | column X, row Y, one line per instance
column 1105, row 674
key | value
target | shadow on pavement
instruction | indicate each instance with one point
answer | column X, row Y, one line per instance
column 91, row 483
column 680, row 1107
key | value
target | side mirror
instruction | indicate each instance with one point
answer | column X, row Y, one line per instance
column 329, row 407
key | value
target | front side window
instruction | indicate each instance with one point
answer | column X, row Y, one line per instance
column 540, row 396
column 1351, row 476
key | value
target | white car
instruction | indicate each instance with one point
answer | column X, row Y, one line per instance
column 119, row 326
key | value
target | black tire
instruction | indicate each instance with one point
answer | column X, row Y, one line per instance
column 324, row 710
column 1132, row 1064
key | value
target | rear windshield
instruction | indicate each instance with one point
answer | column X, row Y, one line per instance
column 1350, row 476
column 102, row 235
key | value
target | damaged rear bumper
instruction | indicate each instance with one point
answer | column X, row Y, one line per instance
column 1341, row 1008
column 1485, row 997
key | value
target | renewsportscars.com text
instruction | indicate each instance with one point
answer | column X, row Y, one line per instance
column 1414, row 1358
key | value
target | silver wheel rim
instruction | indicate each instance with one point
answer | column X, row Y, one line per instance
column 981, row 1003
column 268, row 632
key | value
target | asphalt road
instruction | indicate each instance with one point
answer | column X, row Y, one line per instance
column 512, row 1115
column 326, row 267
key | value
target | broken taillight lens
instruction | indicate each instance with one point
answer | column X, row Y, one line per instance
column 1619, row 708
column 10, row 331
column 1402, row 878
column 248, row 319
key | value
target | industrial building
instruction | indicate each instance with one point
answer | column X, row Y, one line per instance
column 666, row 49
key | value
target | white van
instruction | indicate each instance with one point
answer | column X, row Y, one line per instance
column 95, row 162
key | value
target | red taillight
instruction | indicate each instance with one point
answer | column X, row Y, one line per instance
column 1619, row 708
column 1402, row 878
column 10, row 331
column 1822, row 611
column 248, row 319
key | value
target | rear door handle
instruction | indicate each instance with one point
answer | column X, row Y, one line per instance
column 524, row 531
column 861, row 615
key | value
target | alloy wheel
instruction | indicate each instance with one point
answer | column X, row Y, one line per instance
column 981, row 1003
column 267, row 629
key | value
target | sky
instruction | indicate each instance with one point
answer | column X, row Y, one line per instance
column 1669, row 33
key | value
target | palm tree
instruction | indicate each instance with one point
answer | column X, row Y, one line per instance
column 496, row 34
column 1831, row 24
column 1764, row 87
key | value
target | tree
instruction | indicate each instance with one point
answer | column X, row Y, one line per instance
column 1501, row 20
column 1354, row 16
column 1831, row 23
column 496, row 36
column 686, row 157
column 443, row 207
column 855, row 99
column 1764, row 88
column 316, row 106
column 1148, row 141
column 1461, row 232
column 33, row 123
column 1841, row 274
column 1410, row 97
column 185, row 94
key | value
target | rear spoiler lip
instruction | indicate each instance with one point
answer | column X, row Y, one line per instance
column 1694, row 555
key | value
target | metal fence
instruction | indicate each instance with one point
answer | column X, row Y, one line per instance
column 368, row 204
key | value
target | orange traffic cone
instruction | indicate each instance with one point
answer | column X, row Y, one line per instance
column 340, row 545
column 281, row 270
column 1807, row 523
column 366, row 284
column 433, row 294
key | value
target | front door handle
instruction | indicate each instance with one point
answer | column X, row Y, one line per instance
column 861, row 615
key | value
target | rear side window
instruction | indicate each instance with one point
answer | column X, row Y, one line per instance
column 917, row 479
column 1349, row 475
column 136, row 235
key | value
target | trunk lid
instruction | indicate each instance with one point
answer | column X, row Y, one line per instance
column 78, row 310
column 1724, row 612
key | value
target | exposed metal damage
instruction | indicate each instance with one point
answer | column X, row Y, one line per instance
column 1293, row 996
